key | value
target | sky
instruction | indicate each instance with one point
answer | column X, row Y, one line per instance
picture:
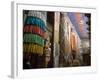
column 79, row 22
